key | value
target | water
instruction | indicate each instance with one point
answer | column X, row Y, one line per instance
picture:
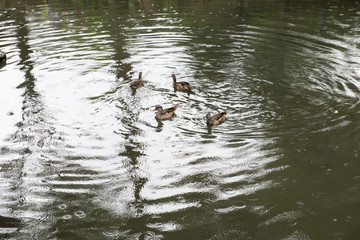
column 82, row 156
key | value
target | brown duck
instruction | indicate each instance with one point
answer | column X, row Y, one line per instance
column 181, row 86
column 2, row 56
column 164, row 114
column 216, row 119
column 138, row 83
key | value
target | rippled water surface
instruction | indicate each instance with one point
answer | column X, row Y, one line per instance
column 82, row 156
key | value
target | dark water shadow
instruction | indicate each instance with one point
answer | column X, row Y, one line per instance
column 2, row 64
column 160, row 125
column 209, row 129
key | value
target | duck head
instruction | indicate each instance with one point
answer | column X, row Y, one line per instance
column 208, row 116
column 158, row 108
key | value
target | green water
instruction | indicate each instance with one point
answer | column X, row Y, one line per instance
column 82, row 156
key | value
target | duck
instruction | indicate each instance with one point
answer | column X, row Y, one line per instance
column 2, row 56
column 164, row 114
column 181, row 86
column 137, row 83
column 216, row 119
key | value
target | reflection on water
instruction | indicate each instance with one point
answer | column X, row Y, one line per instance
column 82, row 156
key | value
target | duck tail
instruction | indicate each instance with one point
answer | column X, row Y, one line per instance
column 174, row 78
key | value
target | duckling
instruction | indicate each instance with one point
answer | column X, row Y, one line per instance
column 216, row 119
column 164, row 114
column 137, row 83
column 2, row 56
column 181, row 86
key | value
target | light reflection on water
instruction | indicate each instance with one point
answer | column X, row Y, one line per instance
column 82, row 155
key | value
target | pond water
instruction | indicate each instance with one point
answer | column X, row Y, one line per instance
column 82, row 156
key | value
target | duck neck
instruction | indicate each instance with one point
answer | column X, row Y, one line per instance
column 159, row 110
column 208, row 118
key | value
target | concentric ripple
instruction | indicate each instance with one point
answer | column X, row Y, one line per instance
column 82, row 155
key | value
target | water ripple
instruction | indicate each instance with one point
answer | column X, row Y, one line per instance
column 82, row 146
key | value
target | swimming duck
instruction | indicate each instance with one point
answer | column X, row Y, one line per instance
column 181, row 85
column 2, row 56
column 165, row 114
column 137, row 83
column 216, row 119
